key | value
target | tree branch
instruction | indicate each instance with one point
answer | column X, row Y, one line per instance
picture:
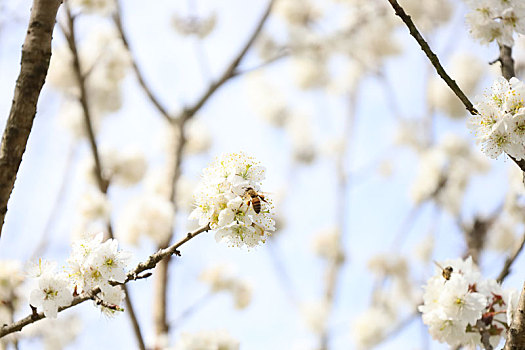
column 149, row 264
column 161, row 282
column 103, row 184
column 510, row 260
column 432, row 56
column 516, row 332
column 36, row 53
column 138, row 73
column 231, row 69
column 507, row 63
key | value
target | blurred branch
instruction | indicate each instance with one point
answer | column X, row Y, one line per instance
column 516, row 332
column 103, row 184
column 161, row 282
column 432, row 56
column 149, row 264
column 57, row 206
column 36, row 53
column 510, row 260
column 262, row 65
column 198, row 304
column 118, row 23
column 230, row 71
column 507, row 63
column 280, row 269
column 342, row 210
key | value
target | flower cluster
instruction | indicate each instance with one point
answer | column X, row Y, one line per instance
column 93, row 263
column 229, row 200
column 500, row 125
column 491, row 20
column 460, row 307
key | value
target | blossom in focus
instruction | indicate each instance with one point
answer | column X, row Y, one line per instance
column 94, row 263
column 223, row 202
column 500, row 125
column 454, row 307
column 52, row 292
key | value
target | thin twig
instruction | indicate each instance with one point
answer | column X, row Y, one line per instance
column 36, row 53
column 57, row 206
column 135, row 274
column 118, row 23
column 231, row 69
column 342, row 207
column 103, row 184
column 510, row 260
column 161, row 282
column 432, row 56
column 199, row 303
column 69, row 33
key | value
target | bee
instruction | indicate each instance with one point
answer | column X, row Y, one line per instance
column 445, row 272
column 254, row 198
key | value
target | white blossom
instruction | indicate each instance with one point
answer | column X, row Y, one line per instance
column 454, row 303
column 500, row 125
column 496, row 20
column 52, row 292
column 221, row 200
column 94, row 263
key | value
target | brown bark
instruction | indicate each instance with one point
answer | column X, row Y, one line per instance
column 36, row 53
column 516, row 332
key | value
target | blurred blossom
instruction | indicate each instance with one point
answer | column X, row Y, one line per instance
column 94, row 205
column 315, row 315
column 148, row 215
column 384, row 265
column 424, row 249
column 104, row 61
column 495, row 20
column 300, row 130
column 370, row 327
column 297, row 12
column 198, row 137
column 267, row 100
column 100, row 7
column 327, row 245
column 56, row 333
column 207, row 340
column 200, row 27
column 428, row 15
column 220, row 277
column 123, row 167
column 445, row 171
